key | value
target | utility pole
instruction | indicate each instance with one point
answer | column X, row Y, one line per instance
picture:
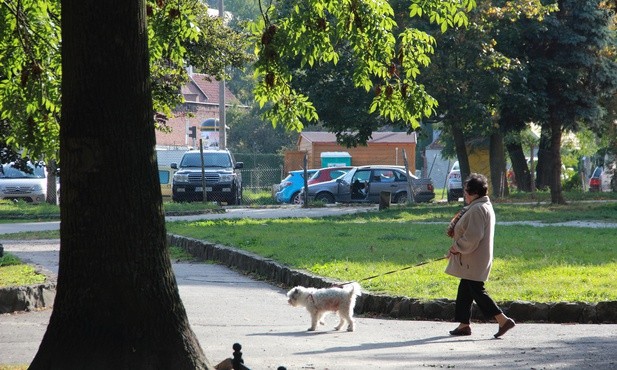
column 222, row 121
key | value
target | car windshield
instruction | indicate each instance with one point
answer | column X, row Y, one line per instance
column 9, row 172
column 210, row 160
column 597, row 172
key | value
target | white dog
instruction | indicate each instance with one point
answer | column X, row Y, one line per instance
column 320, row 301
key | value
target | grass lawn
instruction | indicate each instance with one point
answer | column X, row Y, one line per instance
column 14, row 272
column 542, row 264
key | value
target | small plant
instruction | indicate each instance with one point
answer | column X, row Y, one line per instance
column 9, row 260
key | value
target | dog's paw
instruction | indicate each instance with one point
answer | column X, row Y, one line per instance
column 322, row 323
column 310, row 329
column 350, row 328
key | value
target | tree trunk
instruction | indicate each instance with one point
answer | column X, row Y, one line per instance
column 555, row 169
column 461, row 151
column 544, row 163
column 117, row 304
column 497, row 160
column 52, row 196
column 522, row 177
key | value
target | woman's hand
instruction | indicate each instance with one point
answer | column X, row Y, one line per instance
column 453, row 251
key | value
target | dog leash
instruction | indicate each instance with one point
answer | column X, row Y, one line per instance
column 398, row 270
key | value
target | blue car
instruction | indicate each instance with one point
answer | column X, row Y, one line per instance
column 290, row 186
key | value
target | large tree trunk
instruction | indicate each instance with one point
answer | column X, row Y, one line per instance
column 497, row 160
column 522, row 176
column 117, row 304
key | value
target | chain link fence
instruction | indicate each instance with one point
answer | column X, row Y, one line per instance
column 259, row 185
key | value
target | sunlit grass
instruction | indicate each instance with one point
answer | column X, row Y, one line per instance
column 14, row 273
column 542, row 264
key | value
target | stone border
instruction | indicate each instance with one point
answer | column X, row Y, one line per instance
column 27, row 298
column 393, row 306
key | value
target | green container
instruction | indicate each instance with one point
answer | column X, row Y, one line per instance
column 335, row 159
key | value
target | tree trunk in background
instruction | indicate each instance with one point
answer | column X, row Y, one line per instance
column 51, row 182
column 117, row 304
column 555, row 169
column 461, row 151
column 522, row 177
column 544, row 163
column 497, row 160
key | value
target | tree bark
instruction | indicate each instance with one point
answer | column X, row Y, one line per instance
column 461, row 151
column 555, row 169
column 522, row 176
column 544, row 163
column 117, row 304
column 52, row 196
column 497, row 160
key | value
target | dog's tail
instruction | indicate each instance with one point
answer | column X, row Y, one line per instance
column 355, row 289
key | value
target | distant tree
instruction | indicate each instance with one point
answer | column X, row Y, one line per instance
column 249, row 134
column 314, row 32
column 572, row 70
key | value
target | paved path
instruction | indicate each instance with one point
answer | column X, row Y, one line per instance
column 272, row 333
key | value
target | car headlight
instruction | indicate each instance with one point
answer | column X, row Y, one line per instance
column 181, row 177
column 37, row 188
column 227, row 177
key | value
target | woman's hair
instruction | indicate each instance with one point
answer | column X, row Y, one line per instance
column 476, row 184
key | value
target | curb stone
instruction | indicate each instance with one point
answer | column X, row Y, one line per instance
column 394, row 306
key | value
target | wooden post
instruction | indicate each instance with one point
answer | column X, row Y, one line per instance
column 305, row 166
column 203, row 171
column 384, row 200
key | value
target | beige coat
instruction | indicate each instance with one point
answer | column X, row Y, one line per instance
column 473, row 238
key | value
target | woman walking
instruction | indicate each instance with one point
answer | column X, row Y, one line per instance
column 471, row 256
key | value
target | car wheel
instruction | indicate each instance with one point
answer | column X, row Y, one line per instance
column 451, row 197
column 324, row 197
column 401, row 198
column 296, row 198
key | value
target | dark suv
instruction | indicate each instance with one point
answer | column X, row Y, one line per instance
column 222, row 178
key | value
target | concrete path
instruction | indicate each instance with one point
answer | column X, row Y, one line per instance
column 225, row 307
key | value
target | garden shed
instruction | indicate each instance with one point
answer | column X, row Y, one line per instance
column 383, row 148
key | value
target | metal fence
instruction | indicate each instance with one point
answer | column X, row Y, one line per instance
column 260, row 184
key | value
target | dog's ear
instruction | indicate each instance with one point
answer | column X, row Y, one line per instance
column 292, row 293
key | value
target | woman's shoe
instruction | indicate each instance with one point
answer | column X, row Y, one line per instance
column 461, row 331
column 509, row 324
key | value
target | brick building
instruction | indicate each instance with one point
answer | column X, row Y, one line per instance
column 202, row 102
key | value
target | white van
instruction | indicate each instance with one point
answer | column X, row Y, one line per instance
column 16, row 184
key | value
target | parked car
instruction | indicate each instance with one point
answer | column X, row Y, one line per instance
column 222, row 177
column 166, row 174
column 602, row 179
column 327, row 174
column 454, row 184
column 364, row 184
column 29, row 186
column 290, row 186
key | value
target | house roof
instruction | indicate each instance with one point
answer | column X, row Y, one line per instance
column 377, row 137
column 210, row 89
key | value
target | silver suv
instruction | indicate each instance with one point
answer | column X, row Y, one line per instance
column 17, row 184
column 223, row 180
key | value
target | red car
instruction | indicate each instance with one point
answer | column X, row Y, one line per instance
column 327, row 174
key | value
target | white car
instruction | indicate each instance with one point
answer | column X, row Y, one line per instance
column 16, row 184
column 455, row 183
